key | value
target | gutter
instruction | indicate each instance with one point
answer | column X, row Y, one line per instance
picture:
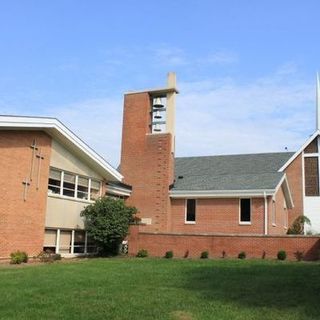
column 265, row 214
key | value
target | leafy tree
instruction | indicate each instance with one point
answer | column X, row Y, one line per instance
column 297, row 226
column 107, row 223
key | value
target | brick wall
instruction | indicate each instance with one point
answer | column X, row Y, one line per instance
column 278, row 226
column 294, row 176
column 218, row 215
column 192, row 245
column 146, row 162
column 22, row 222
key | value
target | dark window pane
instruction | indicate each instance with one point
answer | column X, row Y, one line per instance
column 311, row 176
column 245, row 210
column 191, row 210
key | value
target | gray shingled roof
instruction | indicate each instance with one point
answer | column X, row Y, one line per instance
column 230, row 172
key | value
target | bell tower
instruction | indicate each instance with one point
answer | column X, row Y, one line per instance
column 147, row 152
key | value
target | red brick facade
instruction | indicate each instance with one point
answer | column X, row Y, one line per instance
column 294, row 176
column 218, row 216
column 191, row 245
column 22, row 221
column 146, row 162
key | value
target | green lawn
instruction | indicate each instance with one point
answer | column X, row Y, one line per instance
column 161, row 289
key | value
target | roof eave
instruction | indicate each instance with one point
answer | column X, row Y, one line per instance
column 49, row 124
column 220, row 193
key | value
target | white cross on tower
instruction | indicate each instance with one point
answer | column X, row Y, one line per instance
column 40, row 157
column 34, row 148
column 26, row 184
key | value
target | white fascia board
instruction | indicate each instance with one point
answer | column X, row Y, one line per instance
column 313, row 136
column 118, row 191
column 220, row 193
column 14, row 122
column 286, row 191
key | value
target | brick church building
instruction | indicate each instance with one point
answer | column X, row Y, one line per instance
column 48, row 175
column 239, row 194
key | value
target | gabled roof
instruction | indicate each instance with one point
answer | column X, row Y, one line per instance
column 231, row 176
column 294, row 156
column 61, row 133
column 230, row 172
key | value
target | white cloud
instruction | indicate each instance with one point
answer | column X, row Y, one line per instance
column 215, row 116
column 264, row 115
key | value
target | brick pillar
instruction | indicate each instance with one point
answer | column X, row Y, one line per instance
column 146, row 163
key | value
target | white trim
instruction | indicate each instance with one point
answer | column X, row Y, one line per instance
column 55, row 195
column 303, row 180
column 116, row 190
column 161, row 92
column 58, row 241
column 245, row 223
column 72, row 242
column 265, row 214
column 49, row 124
column 178, row 194
column 310, row 139
column 185, row 212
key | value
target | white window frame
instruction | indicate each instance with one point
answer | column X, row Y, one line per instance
column 57, row 245
column 185, row 211
column 274, row 213
column 245, row 223
column 285, row 222
column 75, row 197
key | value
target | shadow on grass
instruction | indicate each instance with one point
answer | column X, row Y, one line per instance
column 280, row 286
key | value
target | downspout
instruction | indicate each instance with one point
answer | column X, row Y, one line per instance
column 265, row 214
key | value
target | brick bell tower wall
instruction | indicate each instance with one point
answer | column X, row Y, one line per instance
column 147, row 163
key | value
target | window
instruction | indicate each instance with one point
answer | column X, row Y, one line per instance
column 95, row 189
column 285, row 222
column 68, row 242
column 83, row 188
column 69, row 184
column 65, row 242
column 273, row 215
column 190, row 211
column 79, row 241
column 54, row 181
column 50, row 238
column 311, row 176
column 245, row 211
column 74, row 186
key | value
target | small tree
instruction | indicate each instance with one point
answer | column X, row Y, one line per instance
column 107, row 222
column 297, row 226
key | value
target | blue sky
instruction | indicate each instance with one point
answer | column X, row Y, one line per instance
column 246, row 69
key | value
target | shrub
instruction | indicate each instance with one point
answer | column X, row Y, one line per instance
column 242, row 255
column 169, row 254
column 299, row 255
column 49, row 257
column 264, row 255
column 142, row 253
column 224, row 254
column 282, row 255
column 107, row 223
column 18, row 257
column 186, row 254
column 204, row 255
column 297, row 226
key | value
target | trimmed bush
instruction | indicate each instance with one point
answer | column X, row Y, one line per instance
column 242, row 255
column 224, row 254
column 282, row 255
column 18, row 257
column 299, row 255
column 169, row 254
column 49, row 257
column 142, row 253
column 204, row 255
